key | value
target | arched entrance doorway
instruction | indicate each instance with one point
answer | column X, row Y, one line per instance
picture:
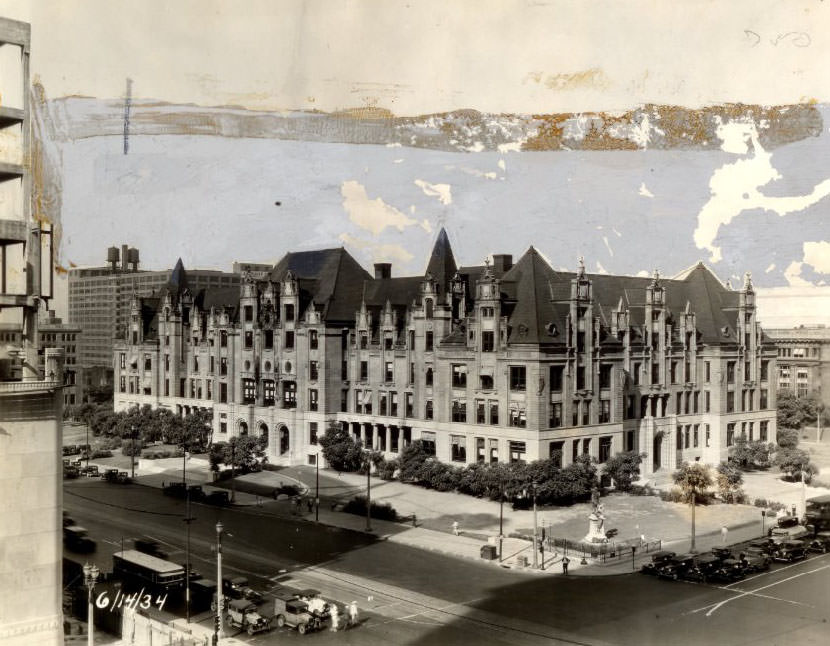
column 243, row 427
column 658, row 451
column 284, row 440
column 263, row 434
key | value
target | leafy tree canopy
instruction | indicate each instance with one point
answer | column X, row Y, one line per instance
column 341, row 451
column 693, row 479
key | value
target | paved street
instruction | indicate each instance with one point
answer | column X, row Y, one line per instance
column 412, row 596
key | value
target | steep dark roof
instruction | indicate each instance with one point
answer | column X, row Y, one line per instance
column 441, row 264
column 527, row 283
column 331, row 278
column 178, row 278
column 149, row 318
column 398, row 291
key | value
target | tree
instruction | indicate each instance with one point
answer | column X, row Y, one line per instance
column 412, row 459
column 729, row 480
column 787, row 438
column 624, row 468
column 692, row 479
column 747, row 455
column 341, row 451
column 794, row 462
column 793, row 411
column 243, row 453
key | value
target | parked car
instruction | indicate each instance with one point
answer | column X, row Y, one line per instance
column 755, row 559
column 90, row 471
column 702, row 568
column 201, row 591
column 820, row 542
column 234, row 586
column 252, row 595
column 790, row 551
column 730, row 570
column 243, row 614
column 786, row 521
column 175, row 489
column 658, row 559
column 196, row 493
column 292, row 612
column 722, row 552
column 71, row 472
column 766, row 545
column 67, row 520
column 75, row 538
column 790, row 533
column 676, row 567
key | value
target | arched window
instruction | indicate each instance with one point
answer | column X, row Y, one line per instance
column 284, row 440
column 243, row 428
column 263, row 433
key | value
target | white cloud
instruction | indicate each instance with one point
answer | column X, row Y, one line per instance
column 644, row 191
column 793, row 275
column 734, row 187
column 377, row 252
column 441, row 191
column 643, row 274
column 426, row 226
column 371, row 215
column 817, row 254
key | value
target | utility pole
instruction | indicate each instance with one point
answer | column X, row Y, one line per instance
column 217, row 628
column 535, row 540
column 188, row 519
column 184, row 463
column 132, row 452
column 368, row 492
column 501, row 521
column 694, row 501
column 317, row 488
column 233, row 473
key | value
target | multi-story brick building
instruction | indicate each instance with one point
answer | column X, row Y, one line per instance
column 498, row 362
column 803, row 360
column 99, row 303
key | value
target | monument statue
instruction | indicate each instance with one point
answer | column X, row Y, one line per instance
column 596, row 521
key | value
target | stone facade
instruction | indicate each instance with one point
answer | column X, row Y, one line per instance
column 499, row 362
column 803, row 360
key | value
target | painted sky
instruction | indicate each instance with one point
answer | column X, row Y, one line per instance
column 741, row 202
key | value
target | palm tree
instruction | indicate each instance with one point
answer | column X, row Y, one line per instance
column 692, row 479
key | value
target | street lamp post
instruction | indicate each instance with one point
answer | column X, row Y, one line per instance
column 90, row 577
column 535, row 539
column 187, row 519
column 694, row 503
column 501, row 520
column 233, row 472
column 317, row 487
column 217, row 626
column 368, row 491
column 132, row 452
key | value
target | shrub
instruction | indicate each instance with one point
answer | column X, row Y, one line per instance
column 387, row 469
column 729, row 480
column 381, row 511
column 131, row 447
column 109, row 443
column 624, row 468
column 787, row 438
column 761, row 502
column 100, row 453
column 793, row 462
column 439, row 476
column 342, row 452
column 411, row 460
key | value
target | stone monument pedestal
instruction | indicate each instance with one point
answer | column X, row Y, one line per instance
column 596, row 532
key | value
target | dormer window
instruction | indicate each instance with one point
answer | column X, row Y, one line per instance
column 289, row 312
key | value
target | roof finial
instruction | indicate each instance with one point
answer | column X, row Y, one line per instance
column 581, row 267
column 748, row 281
column 656, row 276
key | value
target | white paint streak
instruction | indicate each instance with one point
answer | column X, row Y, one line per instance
column 441, row 191
column 378, row 252
column 371, row 215
column 734, row 187
column 644, row 191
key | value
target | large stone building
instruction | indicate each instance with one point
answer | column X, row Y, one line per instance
column 499, row 362
column 30, row 395
column 803, row 360
column 99, row 303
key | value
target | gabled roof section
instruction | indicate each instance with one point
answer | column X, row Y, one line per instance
column 398, row 291
column 713, row 304
column 528, row 283
column 441, row 264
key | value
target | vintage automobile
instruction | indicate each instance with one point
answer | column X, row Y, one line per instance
column 766, row 545
column 151, row 547
column 790, row 533
column 197, row 494
column 755, row 559
column 75, row 538
column 702, row 568
column 722, row 552
column 175, row 489
column 116, row 476
column 293, row 612
column 657, row 560
column 219, row 498
column 675, row 568
column 730, row 570
column 234, row 587
column 71, row 472
column 790, row 551
column 820, row 543
column 243, row 614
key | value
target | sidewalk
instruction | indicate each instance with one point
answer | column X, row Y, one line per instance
column 479, row 519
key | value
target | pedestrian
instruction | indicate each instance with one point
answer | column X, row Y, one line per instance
column 353, row 613
column 414, row 520
column 565, row 562
column 335, row 617
column 310, row 504
column 723, row 532
column 455, row 528
column 642, row 539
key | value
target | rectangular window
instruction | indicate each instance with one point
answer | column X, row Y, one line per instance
column 313, row 370
column 182, row 387
column 269, row 392
column 364, row 340
column 289, row 340
column 747, row 371
column 411, row 373
column 730, row 434
column 458, row 448
column 289, row 394
column 763, row 432
column 312, row 339
column 730, row 372
column 394, row 437
column 409, row 400
column 494, row 413
column 655, row 373
column 387, row 342
column 223, row 339
column 393, row 404
column 630, row 410
column 575, row 413
column 166, row 339
column 604, row 411
column 459, row 375
column 480, row 451
column 586, row 446
column 687, row 401
column 428, row 376
column 344, row 401
column 212, row 363
column 223, row 427
column 518, row 378
column 636, row 373
column 223, row 365
column 223, row 393
column 312, row 432
column 764, row 370
column 764, row 397
column 707, row 401
column 481, row 416
column 166, row 387
column 556, row 379
column 364, row 371
column 517, row 452
column 312, row 399
column 148, row 362
column 248, row 391
column 428, row 344
column 428, row 442
column 123, row 360
column 269, row 339
column 123, row 385
column 289, row 312
column 604, row 448
column 674, row 372
column 428, row 412
column 687, row 437
column 382, row 403
column 575, row 451
column 580, row 378
column 518, row 415
column 707, row 372
column 195, row 364
column 586, row 413
column 249, row 313
column 555, row 452
column 459, row 410
column 389, row 372
column 730, row 401
column 605, row 375
column 487, row 341
column 556, row 415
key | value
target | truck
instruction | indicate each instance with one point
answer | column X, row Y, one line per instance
column 76, row 538
column 294, row 613
column 149, row 571
column 243, row 614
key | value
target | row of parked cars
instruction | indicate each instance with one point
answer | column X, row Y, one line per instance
column 730, row 564
column 197, row 493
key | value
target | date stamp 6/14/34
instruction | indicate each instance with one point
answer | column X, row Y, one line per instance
column 135, row 601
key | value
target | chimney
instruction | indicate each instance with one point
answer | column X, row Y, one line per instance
column 125, row 257
column 383, row 270
column 502, row 262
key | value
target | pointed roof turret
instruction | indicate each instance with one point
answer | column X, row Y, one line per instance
column 530, row 280
column 442, row 265
column 178, row 278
